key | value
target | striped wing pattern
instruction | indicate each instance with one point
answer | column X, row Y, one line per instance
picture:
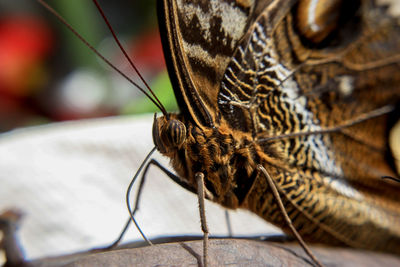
column 245, row 77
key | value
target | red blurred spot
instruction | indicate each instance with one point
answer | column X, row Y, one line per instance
column 147, row 52
column 24, row 42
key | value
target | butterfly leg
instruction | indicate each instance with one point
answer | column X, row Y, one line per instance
column 135, row 209
column 275, row 192
column 201, row 196
column 139, row 194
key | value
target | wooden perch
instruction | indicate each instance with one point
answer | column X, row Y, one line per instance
column 223, row 252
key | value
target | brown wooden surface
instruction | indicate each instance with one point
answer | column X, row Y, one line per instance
column 223, row 252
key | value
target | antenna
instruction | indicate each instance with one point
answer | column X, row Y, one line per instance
column 152, row 97
column 128, row 58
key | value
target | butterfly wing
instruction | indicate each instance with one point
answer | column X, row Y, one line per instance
column 281, row 83
column 252, row 66
column 199, row 38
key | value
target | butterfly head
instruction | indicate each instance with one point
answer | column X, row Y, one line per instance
column 168, row 133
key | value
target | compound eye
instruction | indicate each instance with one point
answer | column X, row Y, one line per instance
column 174, row 133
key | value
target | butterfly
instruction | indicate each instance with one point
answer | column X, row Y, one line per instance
column 305, row 91
column 309, row 90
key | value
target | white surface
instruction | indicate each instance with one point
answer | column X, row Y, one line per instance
column 70, row 181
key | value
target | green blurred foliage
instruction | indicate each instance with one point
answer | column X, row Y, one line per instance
column 163, row 89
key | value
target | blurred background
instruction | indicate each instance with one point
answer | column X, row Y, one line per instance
column 47, row 74
column 69, row 179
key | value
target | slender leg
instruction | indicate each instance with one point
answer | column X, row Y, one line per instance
column 286, row 216
column 201, row 196
column 135, row 209
column 139, row 194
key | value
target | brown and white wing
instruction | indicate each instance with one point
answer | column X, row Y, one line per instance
column 284, row 82
column 279, row 83
column 199, row 39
